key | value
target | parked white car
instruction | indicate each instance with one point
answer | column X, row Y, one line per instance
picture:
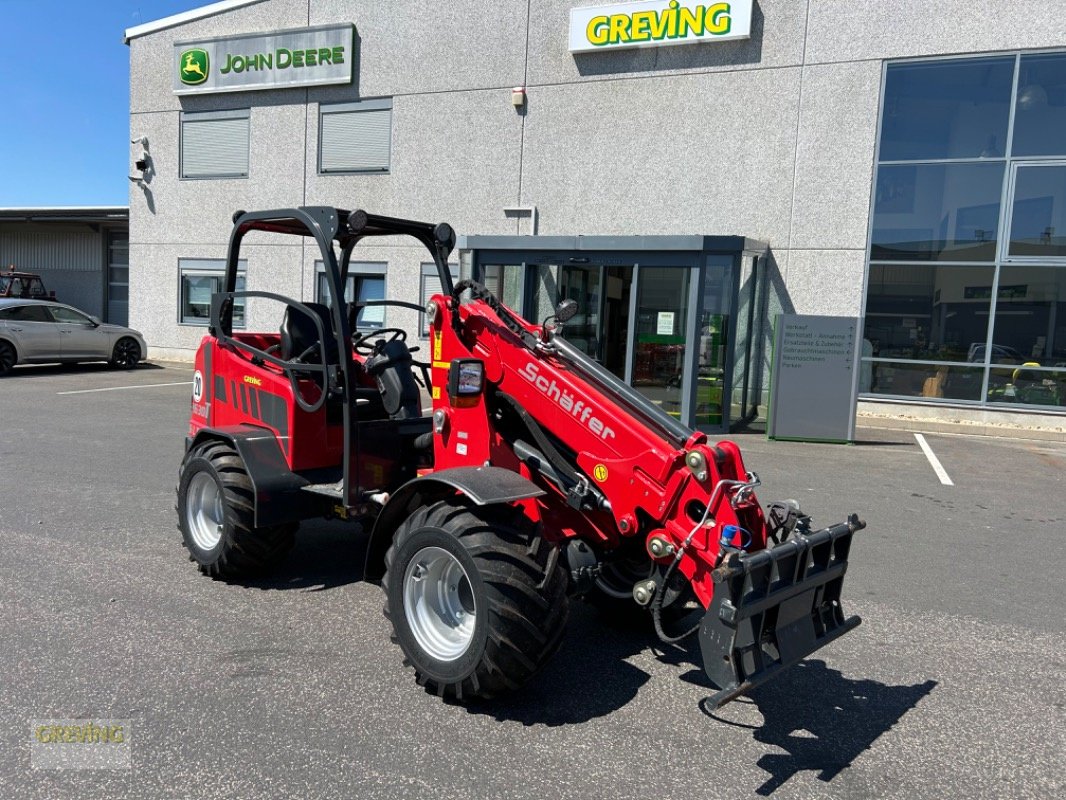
column 41, row 331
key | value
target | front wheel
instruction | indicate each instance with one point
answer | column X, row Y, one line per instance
column 8, row 357
column 126, row 354
column 476, row 597
column 216, row 516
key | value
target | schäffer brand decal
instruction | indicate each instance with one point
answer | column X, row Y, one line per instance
column 575, row 407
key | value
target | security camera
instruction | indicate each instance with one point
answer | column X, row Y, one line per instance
column 142, row 139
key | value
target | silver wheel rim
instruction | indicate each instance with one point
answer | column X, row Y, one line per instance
column 203, row 511
column 438, row 601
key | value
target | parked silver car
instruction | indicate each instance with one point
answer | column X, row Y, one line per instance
column 37, row 331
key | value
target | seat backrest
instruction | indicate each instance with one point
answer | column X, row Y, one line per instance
column 391, row 368
column 299, row 333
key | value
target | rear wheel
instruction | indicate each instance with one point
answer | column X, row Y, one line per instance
column 126, row 353
column 476, row 597
column 216, row 516
column 8, row 357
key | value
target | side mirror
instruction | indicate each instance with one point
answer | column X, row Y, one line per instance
column 95, row 321
column 566, row 310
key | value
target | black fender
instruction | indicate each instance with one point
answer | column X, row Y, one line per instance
column 279, row 495
column 482, row 486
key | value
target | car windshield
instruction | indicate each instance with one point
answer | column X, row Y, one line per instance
column 4, row 283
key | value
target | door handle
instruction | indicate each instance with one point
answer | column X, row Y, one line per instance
column 16, row 330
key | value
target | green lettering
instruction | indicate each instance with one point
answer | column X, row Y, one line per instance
column 338, row 55
column 297, row 58
column 284, row 58
column 310, row 56
column 267, row 60
column 228, row 66
column 324, row 55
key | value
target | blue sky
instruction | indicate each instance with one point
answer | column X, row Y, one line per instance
column 64, row 98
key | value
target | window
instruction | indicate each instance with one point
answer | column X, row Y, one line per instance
column 937, row 212
column 355, row 137
column 366, row 281
column 505, row 282
column 1040, row 115
column 431, row 286
column 958, row 185
column 214, row 144
column 1038, row 214
column 952, row 108
column 201, row 278
column 26, row 314
column 70, row 316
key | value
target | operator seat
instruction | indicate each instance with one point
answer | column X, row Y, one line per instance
column 299, row 334
column 390, row 365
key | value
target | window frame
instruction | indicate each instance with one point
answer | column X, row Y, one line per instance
column 208, row 116
column 376, row 104
column 356, row 270
column 427, row 269
column 1001, row 261
column 1008, row 227
column 199, row 270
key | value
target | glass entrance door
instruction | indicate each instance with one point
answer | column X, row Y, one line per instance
column 602, row 293
column 660, row 343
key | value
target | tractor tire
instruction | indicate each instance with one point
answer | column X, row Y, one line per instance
column 8, row 358
column 476, row 597
column 126, row 353
column 216, row 517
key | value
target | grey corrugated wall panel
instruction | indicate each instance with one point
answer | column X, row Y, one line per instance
column 64, row 251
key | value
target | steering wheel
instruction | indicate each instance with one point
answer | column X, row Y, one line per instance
column 366, row 343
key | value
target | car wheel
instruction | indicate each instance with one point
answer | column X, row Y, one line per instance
column 126, row 353
column 8, row 357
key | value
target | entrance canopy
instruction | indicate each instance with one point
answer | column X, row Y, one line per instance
column 660, row 312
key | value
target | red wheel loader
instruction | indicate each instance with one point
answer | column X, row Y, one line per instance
column 536, row 476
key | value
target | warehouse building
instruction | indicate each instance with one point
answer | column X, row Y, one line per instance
column 81, row 254
column 684, row 170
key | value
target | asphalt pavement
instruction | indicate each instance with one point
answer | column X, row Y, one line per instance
column 952, row 687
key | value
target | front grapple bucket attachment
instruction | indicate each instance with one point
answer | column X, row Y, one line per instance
column 774, row 607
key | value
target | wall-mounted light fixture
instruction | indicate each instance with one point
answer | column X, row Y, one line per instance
column 518, row 96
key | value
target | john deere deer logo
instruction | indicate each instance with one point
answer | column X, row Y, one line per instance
column 193, row 66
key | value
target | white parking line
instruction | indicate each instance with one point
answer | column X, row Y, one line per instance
column 938, row 468
column 123, row 388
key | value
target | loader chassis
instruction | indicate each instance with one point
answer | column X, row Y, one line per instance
column 535, row 476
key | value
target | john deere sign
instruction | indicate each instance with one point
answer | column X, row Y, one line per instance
column 655, row 23
column 301, row 57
